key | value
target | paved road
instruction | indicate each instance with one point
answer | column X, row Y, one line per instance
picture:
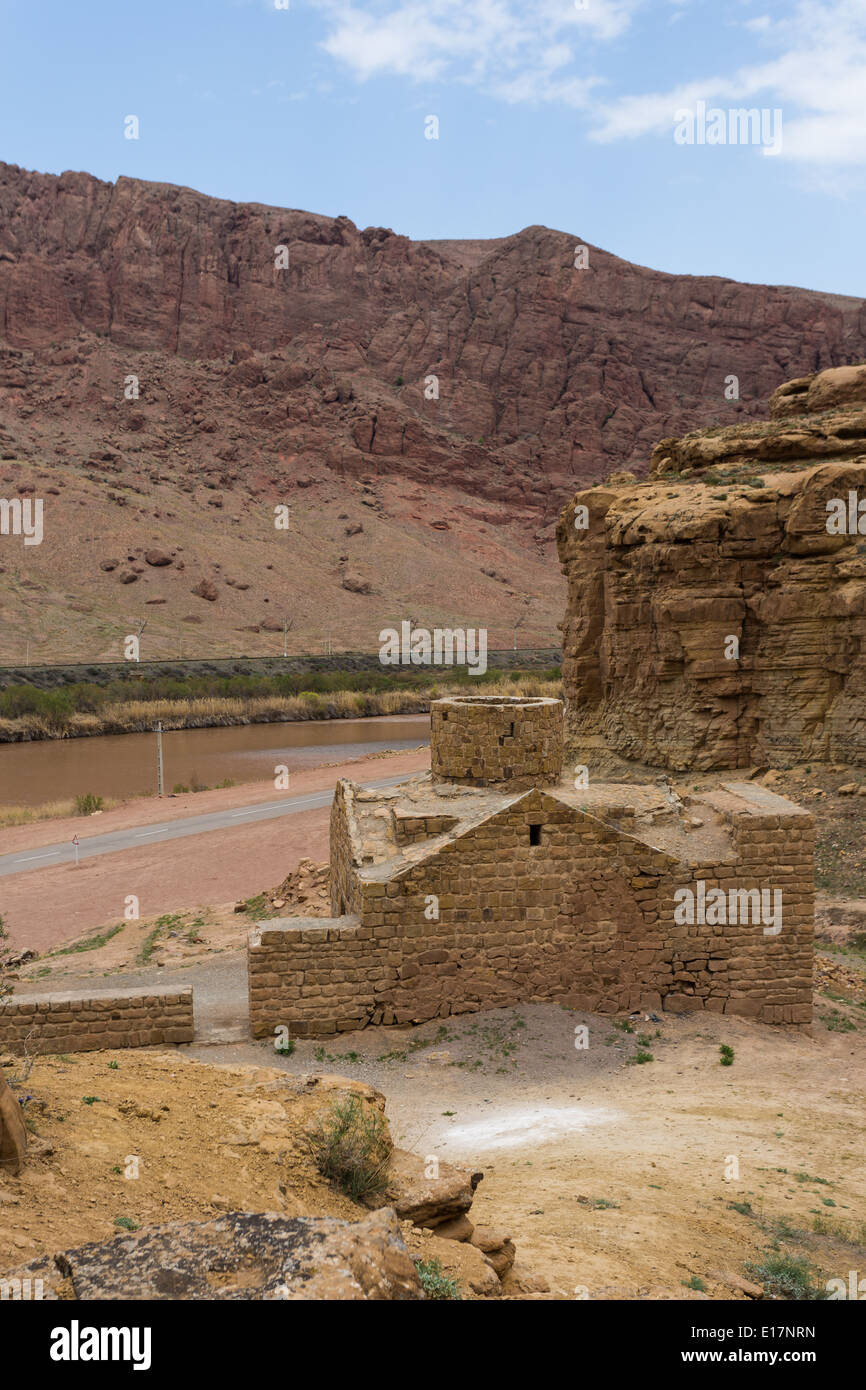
column 51, row 855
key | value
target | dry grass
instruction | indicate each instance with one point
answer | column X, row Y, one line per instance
column 138, row 716
column 49, row 810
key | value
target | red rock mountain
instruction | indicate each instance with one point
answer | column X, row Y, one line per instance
column 311, row 384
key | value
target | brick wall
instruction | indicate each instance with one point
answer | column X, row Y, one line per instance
column 586, row 917
column 480, row 740
column 85, row 1023
column 345, row 851
column 314, row 975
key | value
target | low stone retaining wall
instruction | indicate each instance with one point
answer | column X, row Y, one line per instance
column 86, row 1023
column 315, row 976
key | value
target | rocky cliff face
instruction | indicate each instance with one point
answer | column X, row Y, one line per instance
column 258, row 383
column 546, row 372
column 717, row 612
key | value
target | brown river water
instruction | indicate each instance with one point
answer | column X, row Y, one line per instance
column 122, row 765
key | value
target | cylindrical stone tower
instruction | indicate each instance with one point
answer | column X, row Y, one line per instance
column 501, row 740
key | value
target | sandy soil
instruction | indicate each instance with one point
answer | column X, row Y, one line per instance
column 207, row 1140
column 612, row 1178
column 47, row 906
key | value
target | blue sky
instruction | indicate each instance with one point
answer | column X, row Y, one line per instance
column 549, row 111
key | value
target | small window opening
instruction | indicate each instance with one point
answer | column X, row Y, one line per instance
column 535, row 834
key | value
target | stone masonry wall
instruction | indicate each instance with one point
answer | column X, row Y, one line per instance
column 85, row 1023
column 315, row 975
column 586, row 917
column 345, row 850
column 483, row 739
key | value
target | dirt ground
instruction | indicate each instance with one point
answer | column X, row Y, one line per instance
column 121, row 1140
column 616, row 1179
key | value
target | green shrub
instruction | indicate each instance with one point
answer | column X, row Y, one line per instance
column 787, row 1276
column 352, row 1148
column 726, row 1055
column 435, row 1282
column 88, row 803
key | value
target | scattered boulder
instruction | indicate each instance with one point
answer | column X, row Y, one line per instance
column 306, row 890
column 460, row 1228
column 356, row 584
column 429, row 1201
column 243, row 1256
column 497, row 1248
column 206, row 589
column 751, row 1290
column 13, row 1135
column 157, row 558
column 458, row 1260
column 519, row 1281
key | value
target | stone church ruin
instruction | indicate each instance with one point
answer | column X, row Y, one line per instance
column 495, row 880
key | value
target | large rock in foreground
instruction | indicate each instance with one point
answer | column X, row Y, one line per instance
column 13, row 1135
column 240, row 1256
column 428, row 1201
column 716, row 613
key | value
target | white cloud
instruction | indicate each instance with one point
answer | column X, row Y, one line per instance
column 506, row 47
column 809, row 62
column 817, row 78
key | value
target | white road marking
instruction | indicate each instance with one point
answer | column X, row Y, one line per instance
column 118, row 840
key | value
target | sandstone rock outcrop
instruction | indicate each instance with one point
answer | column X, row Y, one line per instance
column 241, row 1256
column 716, row 612
column 13, row 1135
column 431, row 1202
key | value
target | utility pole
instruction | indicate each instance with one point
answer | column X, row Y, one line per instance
column 158, row 732
column 520, row 620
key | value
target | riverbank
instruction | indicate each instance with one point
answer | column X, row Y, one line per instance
column 54, row 715
column 45, row 906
